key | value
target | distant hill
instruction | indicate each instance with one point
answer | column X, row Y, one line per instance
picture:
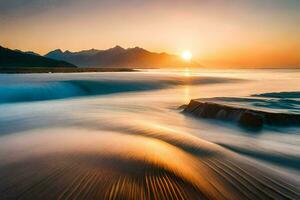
column 119, row 57
column 27, row 52
column 16, row 58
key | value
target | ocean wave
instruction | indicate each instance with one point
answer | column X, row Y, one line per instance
column 66, row 89
column 60, row 89
column 295, row 94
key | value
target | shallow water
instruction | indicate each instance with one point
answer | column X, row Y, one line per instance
column 122, row 136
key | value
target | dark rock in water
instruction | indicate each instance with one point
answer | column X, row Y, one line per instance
column 251, row 119
column 182, row 107
column 246, row 117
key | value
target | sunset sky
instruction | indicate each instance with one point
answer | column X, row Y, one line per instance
column 218, row 32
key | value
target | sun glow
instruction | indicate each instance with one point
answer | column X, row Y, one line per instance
column 186, row 55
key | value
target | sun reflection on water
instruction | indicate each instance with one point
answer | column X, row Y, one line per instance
column 187, row 72
column 187, row 96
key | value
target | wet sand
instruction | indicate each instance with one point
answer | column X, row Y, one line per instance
column 145, row 162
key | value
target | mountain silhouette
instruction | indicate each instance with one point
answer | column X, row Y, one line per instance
column 27, row 52
column 17, row 58
column 119, row 57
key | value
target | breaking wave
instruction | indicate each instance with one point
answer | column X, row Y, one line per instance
column 48, row 90
column 279, row 95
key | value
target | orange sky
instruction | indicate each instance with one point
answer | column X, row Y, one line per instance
column 260, row 33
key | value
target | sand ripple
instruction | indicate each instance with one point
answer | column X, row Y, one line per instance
column 143, row 161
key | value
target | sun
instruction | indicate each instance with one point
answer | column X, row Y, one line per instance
column 186, row 55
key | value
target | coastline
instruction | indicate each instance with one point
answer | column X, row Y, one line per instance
column 124, row 137
column 31, row 70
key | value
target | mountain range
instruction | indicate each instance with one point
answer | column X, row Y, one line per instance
column 116, row 57
column 119, row 57
column 17, row 58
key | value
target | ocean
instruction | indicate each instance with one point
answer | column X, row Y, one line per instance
column 124, row 135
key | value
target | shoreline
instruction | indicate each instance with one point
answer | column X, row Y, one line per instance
column 32, row 70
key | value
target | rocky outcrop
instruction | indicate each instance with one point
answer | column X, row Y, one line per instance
column 243, row 116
